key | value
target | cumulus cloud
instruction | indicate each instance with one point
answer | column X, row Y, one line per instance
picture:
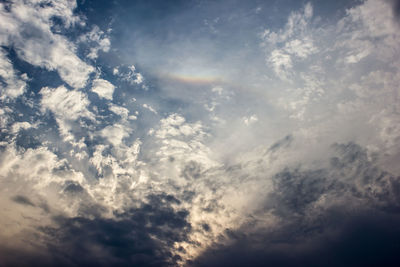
column 68, row 107
column 13, row 84
column 294, row 40
column 27, row 28
column 129, row 74
column 66, row 104
column 103, row 88
column 114, row 134
column 97, row 40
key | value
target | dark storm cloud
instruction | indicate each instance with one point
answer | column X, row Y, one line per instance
column 138, row 237
column 127, row 240
column 358, row 225
column 356, row 240
column 396, row 8
column 295, row 190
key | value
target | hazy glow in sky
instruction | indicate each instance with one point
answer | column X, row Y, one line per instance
column 199, row 133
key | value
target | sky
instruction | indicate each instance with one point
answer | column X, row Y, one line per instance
column 199, row 133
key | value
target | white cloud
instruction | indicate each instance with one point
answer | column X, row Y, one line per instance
column 40, row 177
column 290, row 44
column 250, row 120
column 16, row 127
column 369, row 29
column 218, row 89
column 27, row 27
column 138, row 79
column 14, row 85
column 131, row 75
column 115, row 71
column 97, row 40
column 66, row 104
column 115, row 134
column 174, row 125
column 281, row 62
column 121, row 111
column 147, row 106
column 300, row 48
column 103, row 88
column 132, row 117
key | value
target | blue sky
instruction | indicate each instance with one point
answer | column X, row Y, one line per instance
column 199, row 133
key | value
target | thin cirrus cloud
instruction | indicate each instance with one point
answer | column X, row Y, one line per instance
column 199, row 134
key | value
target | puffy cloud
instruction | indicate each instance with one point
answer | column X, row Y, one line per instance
column 66, row 104
column 97, row 40
column 103, row 88
column 294, row 40
column 27, row 27
column 114, row 134
column 68, row 107
column 16, row 127
column 121, row 111
column 14, row 85
column 129, row 75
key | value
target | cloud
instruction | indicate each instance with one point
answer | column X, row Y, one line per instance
column 27, row 28
column 247, row 151
column 23, row 200
column 97, row 40
column 140, row 236
column 250, row 120
column 66, row 104
column 294, row 42
column 13, row 84
column 371, row 21
column 129, row 74
column 396, row 8
column 114, row 134
column 103, row 88
column 323, row 217
column 121, row 111
column 68, row 108
column 147, row 106
column 360, row 240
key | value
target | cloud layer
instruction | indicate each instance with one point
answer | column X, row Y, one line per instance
column 199, row 134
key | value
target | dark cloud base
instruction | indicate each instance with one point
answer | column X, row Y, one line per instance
column 138, row 237
column 362, row 227
column 363, row 240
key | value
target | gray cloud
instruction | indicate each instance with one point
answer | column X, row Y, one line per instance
column 358, row 240
column 356, row 224
column 140, row 236
column 396, row 8
column 23, row 200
